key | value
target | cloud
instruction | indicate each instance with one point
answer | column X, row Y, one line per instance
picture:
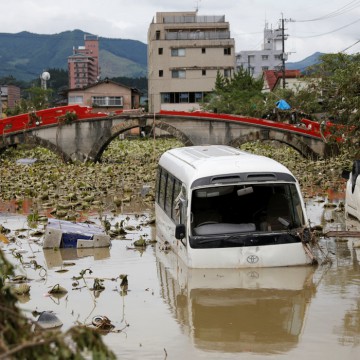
column 130, row 19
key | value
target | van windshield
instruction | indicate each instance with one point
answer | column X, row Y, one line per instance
column 245, row 215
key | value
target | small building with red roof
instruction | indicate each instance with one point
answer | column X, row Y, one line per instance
column 274, row 79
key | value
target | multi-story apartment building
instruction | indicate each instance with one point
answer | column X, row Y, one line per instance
column 269, row 58
column 9, row 97
column 185, row 52
column 83, row 65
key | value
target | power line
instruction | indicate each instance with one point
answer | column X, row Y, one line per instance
column 329, row 32
column 344, row 9
column 350, row 46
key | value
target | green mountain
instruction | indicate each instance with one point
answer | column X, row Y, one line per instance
column 304, row 64
column 26, row 55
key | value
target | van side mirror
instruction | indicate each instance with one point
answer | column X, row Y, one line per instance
column 345, row 174
column 180, row 231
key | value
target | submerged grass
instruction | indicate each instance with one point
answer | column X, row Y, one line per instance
column 128, row 165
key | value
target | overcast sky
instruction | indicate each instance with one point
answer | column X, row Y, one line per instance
column 312, row 25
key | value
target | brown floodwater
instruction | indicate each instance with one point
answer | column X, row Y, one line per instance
column 172, row 312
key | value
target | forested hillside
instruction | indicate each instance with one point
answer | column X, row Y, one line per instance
column 25, row 55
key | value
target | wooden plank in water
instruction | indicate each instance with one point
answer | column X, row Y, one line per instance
column 342, row 233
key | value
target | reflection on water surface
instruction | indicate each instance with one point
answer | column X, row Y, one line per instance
column 258, row 310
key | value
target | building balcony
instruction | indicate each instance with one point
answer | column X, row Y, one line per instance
column 197, row 35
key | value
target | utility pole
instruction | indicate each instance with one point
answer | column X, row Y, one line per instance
column 283, row 50
column 283, row 55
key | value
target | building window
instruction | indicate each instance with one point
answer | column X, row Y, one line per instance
column 107, row 100
column 227, row 72
column 264, row 68
column 178, row 74
column 177, row 52
column 161, row 73
column 265, row 57
column 77, row 99
column 199, row 96
column 182, row 97
column 203, row 50
column 160, row 51
column 227, row 51
column 165, row 98
column 157, row 35
column 203, row 72
column 278, row 57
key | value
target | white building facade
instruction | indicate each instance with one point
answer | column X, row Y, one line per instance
column 270, row 57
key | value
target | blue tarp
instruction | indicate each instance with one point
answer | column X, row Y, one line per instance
column 283, row 105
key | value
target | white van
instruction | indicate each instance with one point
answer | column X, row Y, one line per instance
column 219, row 207
column 352, row 191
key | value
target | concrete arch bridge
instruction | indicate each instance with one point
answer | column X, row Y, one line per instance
column 78, row 133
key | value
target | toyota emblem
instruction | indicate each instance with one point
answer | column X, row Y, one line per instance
column 252, row 259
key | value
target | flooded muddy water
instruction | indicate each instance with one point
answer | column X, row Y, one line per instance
column 171, row 312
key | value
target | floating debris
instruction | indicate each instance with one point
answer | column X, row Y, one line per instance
column 98, row 285
column 57, row 289
column 26, row 161
column 140, row 243
column 4, row 239
column 21, row 289
column 67, row 234
column 48, row 320
column 4, row 230
column 330, row 205
column 69, row 263
column 19, row 278
column 145, row 190
column 37, row 233
column 102, row 322
column 335, row 233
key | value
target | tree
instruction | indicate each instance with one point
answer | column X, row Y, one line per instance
column 339, row 86
column 35, row 98
column 238, row 95
column 339, row 91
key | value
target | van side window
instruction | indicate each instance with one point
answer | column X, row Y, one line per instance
column 168, row 188
column 175, row 215
column 169, row 197
column 162, row 188
column 157, row 186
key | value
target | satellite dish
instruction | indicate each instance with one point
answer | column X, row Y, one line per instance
column 45, row 76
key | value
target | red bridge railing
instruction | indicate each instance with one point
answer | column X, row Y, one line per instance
column 59, row 115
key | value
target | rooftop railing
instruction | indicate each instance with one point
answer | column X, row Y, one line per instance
column 193, row 19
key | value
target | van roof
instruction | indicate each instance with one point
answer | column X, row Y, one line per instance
column 192, row 162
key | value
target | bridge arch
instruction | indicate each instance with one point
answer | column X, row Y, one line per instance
column 291, row 140
column 34, row 140
column 101, row 145
column 175, row 132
